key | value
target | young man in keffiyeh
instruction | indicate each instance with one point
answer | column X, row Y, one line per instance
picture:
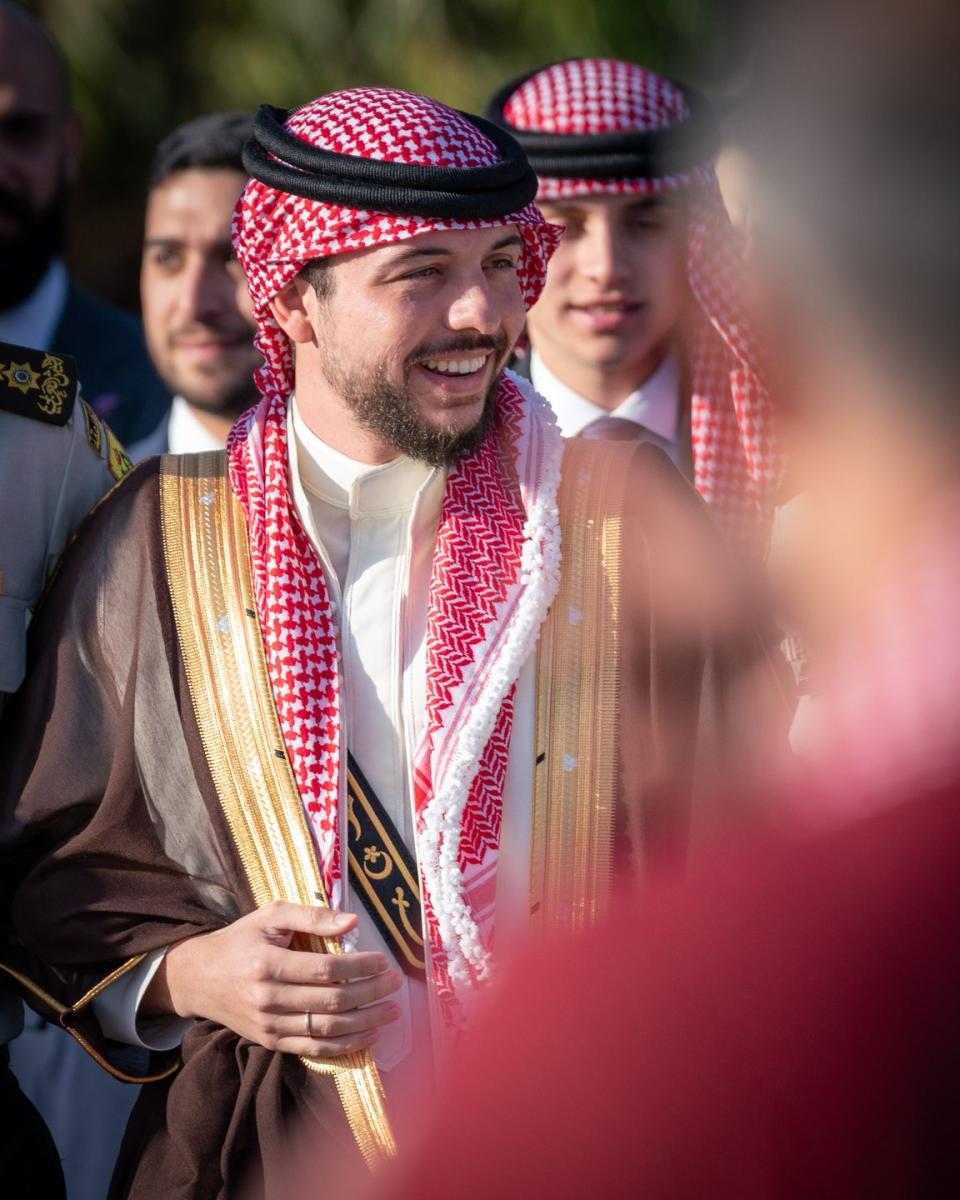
column 640, row 331
column 343, row 666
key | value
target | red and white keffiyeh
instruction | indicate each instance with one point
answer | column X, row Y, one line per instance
column 736, row 458
column 496, row 565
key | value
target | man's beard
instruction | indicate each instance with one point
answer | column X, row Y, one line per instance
column 231, row 396
column 26, row 254
column 390, row 411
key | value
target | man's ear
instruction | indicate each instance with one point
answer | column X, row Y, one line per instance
column 289, row 308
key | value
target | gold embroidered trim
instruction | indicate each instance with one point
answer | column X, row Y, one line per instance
column 64, row 1011
column 578, row 686
column 208, row 569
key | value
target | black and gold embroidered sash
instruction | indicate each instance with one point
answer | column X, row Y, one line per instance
column 384, row 873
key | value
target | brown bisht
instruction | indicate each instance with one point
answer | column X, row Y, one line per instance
column 117, row 837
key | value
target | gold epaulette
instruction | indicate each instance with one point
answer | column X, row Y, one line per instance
column 36, row 384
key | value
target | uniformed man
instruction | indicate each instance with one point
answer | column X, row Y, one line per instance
column 56, row 460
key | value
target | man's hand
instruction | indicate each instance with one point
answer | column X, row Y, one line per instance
column 246, row 978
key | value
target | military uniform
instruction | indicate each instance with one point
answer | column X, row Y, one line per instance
column 57, row 459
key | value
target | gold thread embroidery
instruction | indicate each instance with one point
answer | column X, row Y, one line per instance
column 55, row 387
column 208, row 569
column 578, row 737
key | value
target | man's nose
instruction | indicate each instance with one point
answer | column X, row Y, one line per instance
column 203, row 293
column 476, row 308
column 600, row 256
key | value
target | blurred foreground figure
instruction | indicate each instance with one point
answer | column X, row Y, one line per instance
column 641, row 331
column 56, row 461
column 345, row 665
column 39, row 306
column 790, row 1028
column 197, row 315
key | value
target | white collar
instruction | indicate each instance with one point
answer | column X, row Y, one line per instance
column 655, row 404
column 185, row 432
column 34, row 321
column 343, row 482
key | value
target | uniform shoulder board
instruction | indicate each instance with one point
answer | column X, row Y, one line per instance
column 36, row 384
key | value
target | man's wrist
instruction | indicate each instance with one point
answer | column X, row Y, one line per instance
column 169, row 993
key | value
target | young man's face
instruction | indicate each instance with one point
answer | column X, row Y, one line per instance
column 412, row 337
column 197, row 314
column 616, row 285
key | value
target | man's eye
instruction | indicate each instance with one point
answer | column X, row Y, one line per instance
column 645, row 221
column 167, row 260
column 503, row 264
column 422, row 273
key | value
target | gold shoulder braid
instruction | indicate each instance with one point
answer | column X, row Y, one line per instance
column 578, row 682
column 208, row 570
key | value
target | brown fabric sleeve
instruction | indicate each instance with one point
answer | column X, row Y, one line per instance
column 705, row 696
column 94, row 872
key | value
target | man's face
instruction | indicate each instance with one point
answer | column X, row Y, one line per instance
column 39, row 142
column 413, row 337
column 616, row 285
column 197, row 314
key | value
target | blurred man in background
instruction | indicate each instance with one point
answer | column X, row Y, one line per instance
column 197, row 313
column 39, row 305
column 641, row 332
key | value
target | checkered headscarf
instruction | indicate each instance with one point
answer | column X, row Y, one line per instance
column 275, row 234
column 736, row 458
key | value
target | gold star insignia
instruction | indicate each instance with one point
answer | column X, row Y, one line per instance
column 22, row 377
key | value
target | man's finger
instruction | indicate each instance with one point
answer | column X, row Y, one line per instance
column 304, row 967
column 327, row 1047
column 284, row 917
column 337, row 1025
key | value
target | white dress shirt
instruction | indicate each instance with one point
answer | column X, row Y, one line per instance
column 180, row 432
column 34, row 321
column 655, row 404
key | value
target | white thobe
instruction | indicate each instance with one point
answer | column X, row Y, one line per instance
column 375, row 529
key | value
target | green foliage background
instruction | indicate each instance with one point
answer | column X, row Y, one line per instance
column 140, row 67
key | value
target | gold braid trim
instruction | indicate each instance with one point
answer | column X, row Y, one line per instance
column 578, row 689
column 208, row 570
column 64, row 1013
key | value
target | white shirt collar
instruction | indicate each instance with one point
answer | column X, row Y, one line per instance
column 185, row 432
column 34, row 321
column 655, row 404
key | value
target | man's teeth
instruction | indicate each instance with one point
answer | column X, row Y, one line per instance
column 444, row 366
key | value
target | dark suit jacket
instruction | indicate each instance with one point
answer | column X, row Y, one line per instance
column 116, row 374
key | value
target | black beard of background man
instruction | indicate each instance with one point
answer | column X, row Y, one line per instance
column 39, row 305
column 36, row 237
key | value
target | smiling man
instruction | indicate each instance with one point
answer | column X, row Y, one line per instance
column 640, row 332
column 196, row 308
column 345, row 669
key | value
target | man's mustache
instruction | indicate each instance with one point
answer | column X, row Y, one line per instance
column 212, row 329
column 464, row 344
column 12, row 204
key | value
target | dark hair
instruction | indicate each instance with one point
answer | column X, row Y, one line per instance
column 317, row 274
column 213, row 141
